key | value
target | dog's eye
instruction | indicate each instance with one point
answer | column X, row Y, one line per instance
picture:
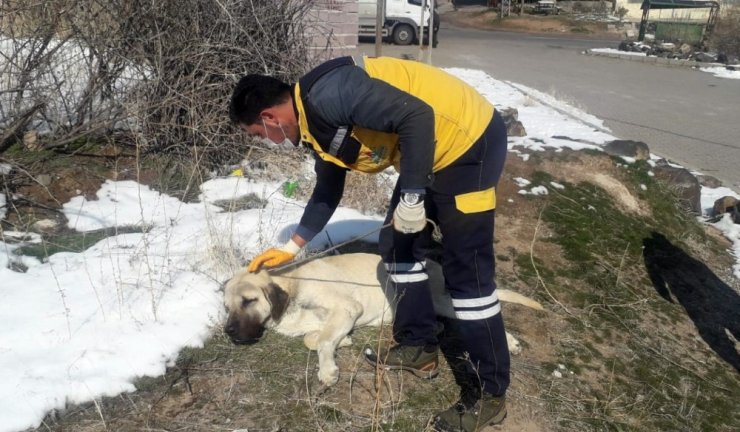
column 247, row 301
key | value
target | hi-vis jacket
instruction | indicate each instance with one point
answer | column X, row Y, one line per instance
column 366, row 114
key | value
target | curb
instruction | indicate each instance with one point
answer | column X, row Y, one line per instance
column 655, row 60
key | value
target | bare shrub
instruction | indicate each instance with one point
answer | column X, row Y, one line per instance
column 154, row 74
column 726, row 35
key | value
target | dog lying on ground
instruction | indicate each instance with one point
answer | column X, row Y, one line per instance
column 324, row 299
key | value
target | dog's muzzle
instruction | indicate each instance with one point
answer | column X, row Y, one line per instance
column 232, row 329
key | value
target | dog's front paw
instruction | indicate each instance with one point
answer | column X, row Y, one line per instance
column 514, row 346
column 329, row 375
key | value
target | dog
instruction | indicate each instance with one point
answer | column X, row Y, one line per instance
column 324, row 299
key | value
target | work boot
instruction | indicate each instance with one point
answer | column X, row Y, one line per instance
column 419, row 360
column 468, row 416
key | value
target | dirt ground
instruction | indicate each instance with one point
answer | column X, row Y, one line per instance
column 562, row 25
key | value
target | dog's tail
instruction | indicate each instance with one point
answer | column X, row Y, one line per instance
column 514, row 297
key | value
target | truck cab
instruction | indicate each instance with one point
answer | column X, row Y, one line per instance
column 401, row 20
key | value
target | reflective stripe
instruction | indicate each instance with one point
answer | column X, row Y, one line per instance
column 478, row 315
column 476, row 202
column 407, row 278
column 405, row 267
column 475, row 302
column 336, row 142
column 359, row 61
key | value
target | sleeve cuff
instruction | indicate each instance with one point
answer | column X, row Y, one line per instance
column 305, row 233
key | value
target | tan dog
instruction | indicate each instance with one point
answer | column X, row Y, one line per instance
column 323, row 300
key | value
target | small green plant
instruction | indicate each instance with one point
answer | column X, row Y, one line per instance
column 290, row 188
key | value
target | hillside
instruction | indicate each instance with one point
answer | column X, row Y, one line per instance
column 638, row 333
column 637, row 296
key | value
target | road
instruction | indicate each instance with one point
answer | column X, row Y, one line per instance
column 684, row 115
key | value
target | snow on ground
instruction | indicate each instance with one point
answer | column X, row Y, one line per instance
column 84, row 325
column 723, row 72
column 616, row 51
column 718, row 71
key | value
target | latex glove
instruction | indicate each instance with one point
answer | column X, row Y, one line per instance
column 274, row 257
column 409, row 218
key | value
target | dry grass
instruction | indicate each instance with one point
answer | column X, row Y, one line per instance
column 626, row 358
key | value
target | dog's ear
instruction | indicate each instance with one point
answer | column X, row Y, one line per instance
column 278, row 299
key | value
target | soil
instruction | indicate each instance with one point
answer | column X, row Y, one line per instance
column 271, row 386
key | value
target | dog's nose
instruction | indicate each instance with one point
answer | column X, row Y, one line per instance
column 230, row 329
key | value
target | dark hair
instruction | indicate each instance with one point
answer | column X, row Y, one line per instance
column 252, row 94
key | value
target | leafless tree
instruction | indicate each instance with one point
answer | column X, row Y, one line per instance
column 157, row 74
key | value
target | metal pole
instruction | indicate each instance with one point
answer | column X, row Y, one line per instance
column 379, row 15
column 432, row 3
column 421, row 31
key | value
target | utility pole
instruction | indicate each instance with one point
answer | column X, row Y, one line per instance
column 421, row 30
column 379, row 14
column 431, row 30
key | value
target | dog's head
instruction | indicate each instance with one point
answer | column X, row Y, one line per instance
column 253, row 301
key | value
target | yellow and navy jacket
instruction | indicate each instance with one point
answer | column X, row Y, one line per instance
column 366, row 114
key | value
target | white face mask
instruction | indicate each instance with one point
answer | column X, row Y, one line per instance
column 285, row 145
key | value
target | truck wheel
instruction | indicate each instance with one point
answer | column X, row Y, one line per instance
column 403, row 34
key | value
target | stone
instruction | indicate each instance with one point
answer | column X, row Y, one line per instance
column 45, row 225
column 686, row 49
column 709, row 181
column 725, row 205
column 513, row 126
column 705, row 57
column 43, row 179
column 516, row 128
column 635, row 149
column 683, row 183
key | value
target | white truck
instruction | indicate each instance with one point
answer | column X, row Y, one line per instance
column 401, row 20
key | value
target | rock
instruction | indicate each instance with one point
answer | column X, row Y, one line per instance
column 709, row 181
column 509, row 114
column 635, row 149
column 516, row 128
column 686, row 49
column 45, row 226
column 705, row 57
column 681, row 181
column 513, row 126
column 43, row 179
column 736, row 213
column 725, row 205
column 668, row 46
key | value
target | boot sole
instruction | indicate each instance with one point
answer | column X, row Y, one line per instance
column 492, row 422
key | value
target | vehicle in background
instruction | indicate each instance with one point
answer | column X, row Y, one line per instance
column 401, row 20
column 546, row 7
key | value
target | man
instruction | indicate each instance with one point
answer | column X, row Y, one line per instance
column 449, row 147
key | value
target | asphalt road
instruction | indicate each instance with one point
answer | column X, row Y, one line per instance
column 684, row 115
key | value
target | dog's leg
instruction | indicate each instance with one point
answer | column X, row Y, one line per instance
column 311, row 340
column 339, row 323
column 514, row 346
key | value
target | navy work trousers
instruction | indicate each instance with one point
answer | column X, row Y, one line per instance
column 467, row 262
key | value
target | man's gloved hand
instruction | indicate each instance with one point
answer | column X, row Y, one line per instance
column 410, row 216
column 274, row 257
